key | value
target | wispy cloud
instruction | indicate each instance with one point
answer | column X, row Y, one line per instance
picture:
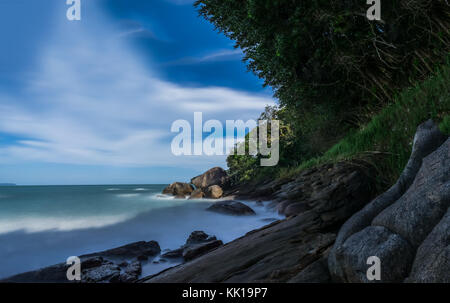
column 92, row 101
column 221, row 55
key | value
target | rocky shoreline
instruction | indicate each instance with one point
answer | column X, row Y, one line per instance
column 334, row 223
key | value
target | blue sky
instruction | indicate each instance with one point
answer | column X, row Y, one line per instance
column 92, row 101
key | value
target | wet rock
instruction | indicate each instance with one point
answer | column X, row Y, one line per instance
column 196, row 250
column 214, row 192
column 231, row 208
column 129, row 251
column 195, row 240
column 107, row 272
column 91, row 262
column 142, row 258
column 199, row 237
column 173, row 254
column 131, row 273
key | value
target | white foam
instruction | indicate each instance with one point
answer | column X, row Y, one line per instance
column 140, row 189
column 38, row 224
column 112, row 189
column 127, row 195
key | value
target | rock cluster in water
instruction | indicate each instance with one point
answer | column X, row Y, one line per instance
column 207, row 185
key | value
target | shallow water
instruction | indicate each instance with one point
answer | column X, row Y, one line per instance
column 43, row 225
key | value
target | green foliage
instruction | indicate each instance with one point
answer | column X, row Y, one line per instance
column 386, row 140
column 333, row 70
column 327, row 52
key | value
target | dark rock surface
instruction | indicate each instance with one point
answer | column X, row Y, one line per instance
column 133, row 250
column 101, row 267
column 196, row 250
column 275, row 253
column 131, row 272
column 432, row 264
column 196, row 245
column 231, row 208
column 199, row 236
column 214, row 176
column 404, row 224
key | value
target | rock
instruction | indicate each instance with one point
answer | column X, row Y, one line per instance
column 231, row 208
column 214, row 176
column 296, row 208
column 274, row 253
column 317, row 272
column 196, row 250
column 131, row 273
column 199, row 237
column 174, row 254
column 432, row 261
column 178, row 189
column 394, row 252
column 404, row 223
column 95, row 267
column 142, row 258
column 214, row 192
column 197, row 194
column 51, row 274
column 129, row 251
column 91, row 262
column 195, row 238
column 108, row 272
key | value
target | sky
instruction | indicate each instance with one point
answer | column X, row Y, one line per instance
column 93, row 101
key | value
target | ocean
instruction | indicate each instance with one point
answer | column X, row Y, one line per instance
column 44, row 225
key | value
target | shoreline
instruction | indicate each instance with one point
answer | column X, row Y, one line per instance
column 147, row 265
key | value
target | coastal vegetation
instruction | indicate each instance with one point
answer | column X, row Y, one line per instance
column 348, row 88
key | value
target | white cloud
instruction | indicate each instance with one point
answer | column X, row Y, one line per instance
column 221, row 55
column 92, row 101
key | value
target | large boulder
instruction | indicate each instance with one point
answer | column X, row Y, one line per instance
column 178, row 189
column 405, row 225
column 214, row 176
column 231, row 208
column 214, row 192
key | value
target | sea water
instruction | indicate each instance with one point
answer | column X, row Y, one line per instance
column 44, row 225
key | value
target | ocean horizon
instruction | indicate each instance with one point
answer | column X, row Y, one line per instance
column 45, row 224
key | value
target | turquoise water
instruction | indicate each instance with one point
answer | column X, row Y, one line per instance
column 43, row 225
